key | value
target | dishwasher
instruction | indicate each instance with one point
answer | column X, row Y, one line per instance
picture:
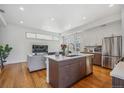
column 89, row 65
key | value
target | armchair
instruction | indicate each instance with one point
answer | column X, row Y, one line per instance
column 36, row 62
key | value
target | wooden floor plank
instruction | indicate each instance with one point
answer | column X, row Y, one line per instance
column 18, row 76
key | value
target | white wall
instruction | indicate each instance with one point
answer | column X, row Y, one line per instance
column 15, row 36
column 122, row 15
column 95, row 35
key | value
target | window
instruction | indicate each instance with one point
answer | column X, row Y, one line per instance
column 41, row 36
column 30, row 35
column 55, row 38
column 46, row 37
column 73, row 38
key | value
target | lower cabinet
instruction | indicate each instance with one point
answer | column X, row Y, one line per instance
column 69, row 74
column 82, row 67
column 109, row 62
column 64, row 74
column 97, row 59
column 117, row 83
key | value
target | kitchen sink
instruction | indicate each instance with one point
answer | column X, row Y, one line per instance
column 72, row 55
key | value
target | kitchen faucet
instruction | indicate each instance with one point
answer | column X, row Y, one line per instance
column 72, row 46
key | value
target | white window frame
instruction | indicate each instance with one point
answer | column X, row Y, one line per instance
column 30, row 36
column 43, row 36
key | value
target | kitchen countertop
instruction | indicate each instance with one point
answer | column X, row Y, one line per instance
column 92, row 52
column 118, row 71
column 62, row 58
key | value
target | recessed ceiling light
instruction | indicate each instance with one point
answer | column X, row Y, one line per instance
column 21, row 8
column 111, row 5
column 21, row 22
column 84, row 18
column 52, row 19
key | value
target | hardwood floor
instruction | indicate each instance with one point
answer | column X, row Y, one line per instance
column 18, row 76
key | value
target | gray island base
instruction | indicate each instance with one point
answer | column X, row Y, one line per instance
column 65, row 71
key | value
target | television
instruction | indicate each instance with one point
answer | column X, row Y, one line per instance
column 39, row 48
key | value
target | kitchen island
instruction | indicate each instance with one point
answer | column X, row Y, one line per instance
column 63, row 71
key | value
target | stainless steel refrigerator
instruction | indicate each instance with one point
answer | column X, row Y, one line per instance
column 111, row 51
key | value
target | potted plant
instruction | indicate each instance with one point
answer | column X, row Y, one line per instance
column 63, row 47
column 4, row 53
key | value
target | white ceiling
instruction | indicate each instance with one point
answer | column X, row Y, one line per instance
column 56, row 18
